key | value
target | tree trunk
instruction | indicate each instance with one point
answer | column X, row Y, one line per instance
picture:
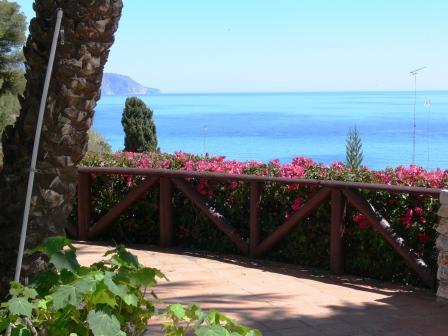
column 74, row 90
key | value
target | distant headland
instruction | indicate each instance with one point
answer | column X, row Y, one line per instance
column 121, row 85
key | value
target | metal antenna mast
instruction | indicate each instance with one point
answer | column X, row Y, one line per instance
column 415, row 73
column 428, row 104
column 26, row 212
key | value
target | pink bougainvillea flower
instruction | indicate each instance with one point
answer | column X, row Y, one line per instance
column 338, row 165
column 129, row 181
column 233, row 185
column 391, row 201
column 297, row 204
column 275, row 163
column 129, row 155
column 204, row 188
column 418, row 211
column 406, row 219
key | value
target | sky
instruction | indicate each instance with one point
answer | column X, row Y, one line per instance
column 281, row 46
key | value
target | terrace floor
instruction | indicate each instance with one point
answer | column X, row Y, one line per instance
column 287, row 300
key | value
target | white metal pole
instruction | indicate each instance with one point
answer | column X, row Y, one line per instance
column 29, row 192
column 415, row 125
column 415, row 73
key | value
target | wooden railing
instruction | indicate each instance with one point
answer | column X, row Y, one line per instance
column 337, row 192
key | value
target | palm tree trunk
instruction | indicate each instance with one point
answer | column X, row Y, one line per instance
column 74, row 90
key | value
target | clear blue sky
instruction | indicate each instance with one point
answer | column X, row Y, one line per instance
column 284, row 45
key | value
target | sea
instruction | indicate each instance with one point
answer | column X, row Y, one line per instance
column 267, row 126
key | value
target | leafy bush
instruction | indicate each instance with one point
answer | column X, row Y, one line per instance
column 105, row 299
column 366, row 252
column 12, row 79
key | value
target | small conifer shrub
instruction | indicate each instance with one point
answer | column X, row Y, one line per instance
column 353, row 149
column 138, row 126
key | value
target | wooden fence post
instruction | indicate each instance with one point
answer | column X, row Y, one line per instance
column 442, row 246
column 166, row 213
column 254, row 221
column 84, row 203
column 337, row 230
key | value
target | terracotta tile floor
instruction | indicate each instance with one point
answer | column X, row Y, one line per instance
column 288, row 300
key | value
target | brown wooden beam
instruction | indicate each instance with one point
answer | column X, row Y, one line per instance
column 254, row 178
column 166, row 213
column 388, row 233
column 84, row 203
column 202, row 204
column 112, row 215
column 254, row 221
column 292, row 223
column 337, row 231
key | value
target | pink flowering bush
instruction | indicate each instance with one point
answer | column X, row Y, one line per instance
column 366, row 253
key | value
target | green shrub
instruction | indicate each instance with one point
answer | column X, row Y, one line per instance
column 12, row 79
column 97, row 143
column 353, row 149
column 366, row 252
column 139, row 128
column 106, row 299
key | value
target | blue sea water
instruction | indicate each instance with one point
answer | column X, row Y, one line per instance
column 265, row 126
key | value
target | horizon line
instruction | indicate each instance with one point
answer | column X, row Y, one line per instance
column 161, row 93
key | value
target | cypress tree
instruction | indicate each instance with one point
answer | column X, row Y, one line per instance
column 353, row 149
column 138, row 126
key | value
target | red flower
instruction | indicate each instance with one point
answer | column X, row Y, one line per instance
column 233, row 185
column 407, row 218
column 363, row 224
column 204, row 189
column 391, row 201
column 418, row 211
column 362, row 221
column 129, row 181
column 297, row 204
column 423, row 237
column 359, row 218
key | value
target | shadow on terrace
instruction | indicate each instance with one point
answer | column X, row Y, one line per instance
column 281, row 299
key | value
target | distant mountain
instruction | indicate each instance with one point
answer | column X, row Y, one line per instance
column 120, row 85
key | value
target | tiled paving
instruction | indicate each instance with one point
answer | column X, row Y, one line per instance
column 286, row 300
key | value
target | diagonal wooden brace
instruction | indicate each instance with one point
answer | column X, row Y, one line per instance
column 218, row 219
column 388, row 233
column 292, row 223
column 133, row 196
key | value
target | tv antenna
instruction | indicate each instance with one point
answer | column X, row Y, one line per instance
column 415, row 73
column 205, row 128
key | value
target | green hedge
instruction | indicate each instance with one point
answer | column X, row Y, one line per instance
column 366, row 253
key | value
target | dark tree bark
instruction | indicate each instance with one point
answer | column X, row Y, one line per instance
column 74, row 90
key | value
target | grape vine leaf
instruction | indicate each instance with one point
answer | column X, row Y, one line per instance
column 20, row 306
column 103, row 324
